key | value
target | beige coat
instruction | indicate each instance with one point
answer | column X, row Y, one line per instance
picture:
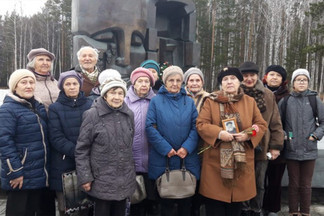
column 209, row 127
column 198, row 98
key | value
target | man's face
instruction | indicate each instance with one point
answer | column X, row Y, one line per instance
column 250, row 79
column 88, row 60
column 194, row 83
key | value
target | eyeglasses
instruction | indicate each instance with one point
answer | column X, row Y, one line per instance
column 301, row 80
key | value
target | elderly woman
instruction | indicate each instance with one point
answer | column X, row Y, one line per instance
column 171, row 130
column 227, row 177
column 88, row 57
column 23, row 145
column 275, row 80
column 104, row 158
column 41, row 64
column 138, row 98
column 303, row 133
column 65, row 117
column 154, row 67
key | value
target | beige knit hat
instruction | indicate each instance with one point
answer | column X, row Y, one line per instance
column 111, row 82
column 17, row 75
column 171, row 70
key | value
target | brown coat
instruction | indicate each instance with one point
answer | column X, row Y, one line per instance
column 208, row 127
column 274, row 136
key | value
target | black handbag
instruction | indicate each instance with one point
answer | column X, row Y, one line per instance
column 74, row 198
column 176, row 184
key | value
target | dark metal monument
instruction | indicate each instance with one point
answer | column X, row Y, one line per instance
column 126, row 32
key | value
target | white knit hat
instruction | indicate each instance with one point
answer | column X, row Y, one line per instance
column 17, row 75
column 171, row 70
column 298, row 72
column 112, row 82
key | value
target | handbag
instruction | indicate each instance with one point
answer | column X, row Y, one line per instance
column 140, row 191
column 176, row 184
column 74, row 198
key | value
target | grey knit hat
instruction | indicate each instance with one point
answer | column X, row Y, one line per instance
column 39, row 51
column 112, row 82
column 298, row 72
column 171, row 70
column 191, row 71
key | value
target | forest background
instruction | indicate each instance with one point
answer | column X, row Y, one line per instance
column 289, row 33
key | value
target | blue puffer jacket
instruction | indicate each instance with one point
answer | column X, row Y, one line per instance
column 65, row 118
column 171, row 123
column 23, row 143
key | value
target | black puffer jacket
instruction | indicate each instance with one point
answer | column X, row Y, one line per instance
column 104, row 151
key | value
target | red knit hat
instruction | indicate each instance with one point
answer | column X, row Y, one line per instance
column 142, row 72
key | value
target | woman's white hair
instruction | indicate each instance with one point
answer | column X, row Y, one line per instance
column 31, row 65
column 95, row 51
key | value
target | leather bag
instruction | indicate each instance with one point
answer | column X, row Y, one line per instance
column 176, row 184
column 140, row 192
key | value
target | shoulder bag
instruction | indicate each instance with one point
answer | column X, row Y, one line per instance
column 176, row 184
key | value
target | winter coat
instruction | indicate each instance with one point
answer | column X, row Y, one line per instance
column 274, row 136
column 103, row 154
column 198, row 98
column 23, row 143
column 65, row 118
column 87, row 85
column 300, row 121
column 171, row 124
column 209, row 125
column 139, row 106
column 46, row 89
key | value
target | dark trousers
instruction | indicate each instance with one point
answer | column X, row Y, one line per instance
column 300, row 175
column 272, row 195
column 169, row 205
column 23, row 202
column 47, row 202
column 109, row 208
column 219, row 208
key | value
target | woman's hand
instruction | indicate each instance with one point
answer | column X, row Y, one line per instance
column 241, row 137
column 17, row 182
column 87, row 186
column 182, row 152
column 225, row 136
column 172, row 153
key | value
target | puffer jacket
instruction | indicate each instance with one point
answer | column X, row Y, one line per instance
column 139, row 106
column 23, row 143
column 300, row 121
column 171, row 123
column 103, row 154
column 65, row 118
column 46, row 89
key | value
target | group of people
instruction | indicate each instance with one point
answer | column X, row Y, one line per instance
column 91, row 121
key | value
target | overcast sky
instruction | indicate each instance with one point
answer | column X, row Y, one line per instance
column 29, row 7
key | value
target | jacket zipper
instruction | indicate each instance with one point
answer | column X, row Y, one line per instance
column 44, row 144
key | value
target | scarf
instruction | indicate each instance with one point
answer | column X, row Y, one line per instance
column 258, row 96
column 93, row 77
column 232, row 154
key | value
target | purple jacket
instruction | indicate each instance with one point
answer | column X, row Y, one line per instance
column 140, row 145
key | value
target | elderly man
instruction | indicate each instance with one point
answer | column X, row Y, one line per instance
column 194, row 81
column 272, row 140
column 88, row 57
column 40, row 62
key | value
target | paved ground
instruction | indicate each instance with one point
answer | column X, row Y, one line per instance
column 317, row 208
